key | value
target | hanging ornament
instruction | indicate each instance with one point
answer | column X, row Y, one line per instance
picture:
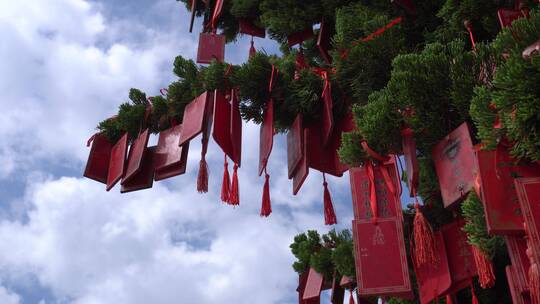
column 496, row 171
column 528, row 190
column 517, row 251
column 486, row 274
column 326, row 31
column 329, row 214
column 194, row 117
column 302, row 280
column 97, row 166
column 454, row 163
column 424, row 242
column 302, row 170
column 295, row 149
column 144, row 177
column 136, row 156
column 236, row 142
column 117, row 162
column 252, row 50
column 170, row 158
column 247, row 27
column 299, row 37
column 212, row 45
column 314, row 286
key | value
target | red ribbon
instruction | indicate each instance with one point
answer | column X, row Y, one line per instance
column 216, row 14
column 372, row 152
column 373, row 35
column 372, row 191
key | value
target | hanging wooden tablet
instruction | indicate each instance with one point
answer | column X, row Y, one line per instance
column 517, row 296
column 517, row 247
column 497, row 171
column 411, row 161
column 434, row 278
column 144, row 177
column 168, row 152
column 328, row 115
column 117, row 162
column 375, row 276
column 266, row 136
column 314, row 286
column 302, row 170
column 454, row 163
column 176, row 169
column 211, row 47
column 295, row 149
column 222, row 123
column 194, row 117
column 136, row 156
column 507, row 16
column 236, row 128
column 97, row 166
column 302, row 280
column 460, row 256
column 247, row 27
column 299, row 37
column 528, row 190
column 323, row 158
column 326, row 31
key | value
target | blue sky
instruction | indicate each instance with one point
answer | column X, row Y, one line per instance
column 64, row 66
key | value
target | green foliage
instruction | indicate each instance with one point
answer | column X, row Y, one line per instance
column 475, row 227
column 350, row 151
column 303, row 247
column 284, row 17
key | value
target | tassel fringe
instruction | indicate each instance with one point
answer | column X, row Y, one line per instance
column 266, row 207
column 486, row 274
column 424, row 241
column 202, row 178
column 234, row 198
column 226, row 183
column 329, row 214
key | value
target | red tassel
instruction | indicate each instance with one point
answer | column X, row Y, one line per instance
column 534, row 283
column 202, row 178
column 424, row 240
column 252, row 50
column 474, row 298
column 226, row 183
column 448, row 299
column 351, row 297
column 266, row 208
column 234, row 197
column 486, row 275
column 329, row 214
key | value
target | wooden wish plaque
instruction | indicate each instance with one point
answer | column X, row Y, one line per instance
column 97, row 166
column 117, row 162
column 381, row 258
column 517, row 246
column 295, row 149
column 528, row 190
column 314, row 286
column 222, row 123
column 266, row 139
column 144, row 178
column 302, row 169
column 136, row 156
column 194, row 117
column 454, row 163
column 236, row 128
column 211, row 47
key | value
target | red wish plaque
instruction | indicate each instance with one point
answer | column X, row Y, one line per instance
column 517, row 246
column 434, row 278
column 194, row 117
column 454, row 163
column 144, row 178
column 497, row 171
column 327, row 116
column 236, row 128
column 295, row 150
column 136, row 156
column 323, row 41
column 381, row 258
column 388, row 204
column 211, row 47
column 302, row 171
column 302, row 279
column 507, row 16
column 528, row 190
column 117, row 162
column 325, row 158
column 411, row 161
column 460, row 256
column 314, row 286
column 247, row 27
column 517, row 296
column 168, row 152
column 176, row 169
column 97, row 166
column 299, row 37
column 222, row 123
column 266, row 136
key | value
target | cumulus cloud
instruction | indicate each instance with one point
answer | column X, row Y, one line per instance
column 8, row 297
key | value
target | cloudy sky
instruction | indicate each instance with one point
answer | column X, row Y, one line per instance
column 64, row 66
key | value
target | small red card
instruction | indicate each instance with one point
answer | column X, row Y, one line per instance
column 144, row 178
column 460, row 256
column 168, row 152
column 299, row 37
column 222, row 123
column 97, row 166
column 236, row 128
column 247, row 27
column 176, row 169
column 375, row 275
column 323, row 41
column 211, row 47
column 302, row 171
column 324, row 159
column 266, row 136
column 136, row 156
column 411, row 161
column 194, row 117
column 434, row 278
column 517, row 296
column 517, row 246
column 117, row 162
column 497, row 170
column 528, row 190
column 295, row 149
column 314, row 285
column 507, row 16
column 302, row 280
column 327, row 117
column 454, row 163
column 388, row 204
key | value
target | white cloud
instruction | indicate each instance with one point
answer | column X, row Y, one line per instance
column 8, row 297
